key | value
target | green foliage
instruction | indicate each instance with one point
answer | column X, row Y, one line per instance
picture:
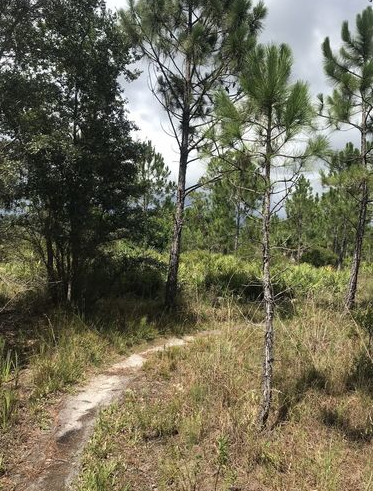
column 69, row 154
column 222, row 275
column 226, row 275
column 350, row 105
column 217, row 216
column 305, row 279
column 125, row 270
column 9, row 372
column 319, row 256
column 302, row 212
column 156, row 197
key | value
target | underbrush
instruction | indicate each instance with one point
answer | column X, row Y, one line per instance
column 9, row 373
column 190, row 423
column 224, row 275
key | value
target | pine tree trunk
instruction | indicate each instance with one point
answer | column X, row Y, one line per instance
column 356, row 260
column 237, row 231
column 342, row 248
column 52, row 284
column 360, row 231
column 173, row 268
column 268, row 293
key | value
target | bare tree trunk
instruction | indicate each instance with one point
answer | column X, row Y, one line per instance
column 356, row 260
column 360, row 231
column 342, row 248
column 173, row 268
column 238, row 228
column 299, row 247
column 268, row 293
column 52, row 284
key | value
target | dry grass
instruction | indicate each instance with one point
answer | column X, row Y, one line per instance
column 189, row 423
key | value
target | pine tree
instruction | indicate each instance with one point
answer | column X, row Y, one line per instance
column 264, row 127
column 301, row 210
column 156, row 200
column 351, row 105
column 340, row 205
column 234, row 194
column 154, row 178
column 192, row 46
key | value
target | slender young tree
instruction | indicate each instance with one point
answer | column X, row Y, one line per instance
column 236, row 190
column 340, row 204
column 154, row 178
column 157, row 191
column 192, row 46
column 301, row 210
column 273, row 112
column 351, row 105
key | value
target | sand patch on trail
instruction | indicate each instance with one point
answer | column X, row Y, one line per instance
column 54, row 463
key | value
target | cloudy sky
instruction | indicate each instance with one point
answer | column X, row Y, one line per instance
column 303, row 24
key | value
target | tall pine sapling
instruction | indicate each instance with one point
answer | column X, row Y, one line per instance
column 264, row 127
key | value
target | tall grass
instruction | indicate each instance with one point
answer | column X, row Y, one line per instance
column 191, row 422
column 9, row 373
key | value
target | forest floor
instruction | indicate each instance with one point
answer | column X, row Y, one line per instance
column 50, row 459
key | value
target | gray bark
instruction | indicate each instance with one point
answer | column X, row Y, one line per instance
column 360, row 231
column 267, row 376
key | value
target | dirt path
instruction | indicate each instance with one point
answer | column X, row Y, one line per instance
column 54, row 464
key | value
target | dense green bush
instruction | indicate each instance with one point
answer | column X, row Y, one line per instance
column 304, row 278
column 203, row 272
column 319, row 256
column 220, row 274
column 125, row 271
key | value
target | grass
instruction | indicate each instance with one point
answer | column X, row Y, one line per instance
column 9, row 373
column 189, row 423
column 194, row 411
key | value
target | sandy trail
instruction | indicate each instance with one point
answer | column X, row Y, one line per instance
column 54, row 465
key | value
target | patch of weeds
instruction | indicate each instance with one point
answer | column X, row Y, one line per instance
column 2, row 465
column 164, row 363
column 364, row 319
column 181, row 471
column 159, row 420
column 222, row 457
column 101, row 477
column 64, row 354
column 361, row 374
column 352, row 417
column 9, row 373
column 327, row 464
column 141, row 330
column 191, row 428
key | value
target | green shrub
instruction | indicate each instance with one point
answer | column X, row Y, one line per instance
column 144, row 280
column 220, row 274
column 124, row 271
column 319, row 256
column 224, row 275
column 304, row 278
